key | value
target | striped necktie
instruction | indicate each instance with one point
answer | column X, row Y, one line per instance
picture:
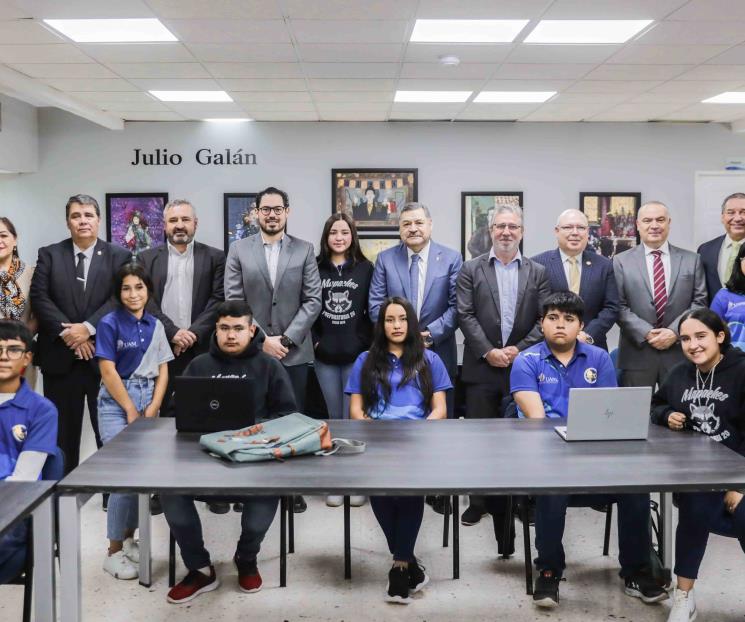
column 660, row 291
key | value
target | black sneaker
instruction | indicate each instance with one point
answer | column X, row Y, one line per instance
column 546, row 590
column 155, row 508
column 218, row 507
column 439, row 503
column 105, row 502
column 298, row 504
column 472, row 516
column 417, row 577
column 642, row 585
column 398, row 586
column 238, row 507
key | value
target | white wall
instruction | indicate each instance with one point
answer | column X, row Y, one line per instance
column 550, row 162
column 19, row 144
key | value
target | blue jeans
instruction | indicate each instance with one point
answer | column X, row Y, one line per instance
column 122, row 511
column 333, row 379
column 13, row 552
column 184, row 522
column 400, row 518
column 633, row 529
column 702, row 513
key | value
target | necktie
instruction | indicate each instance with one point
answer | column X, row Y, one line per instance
column 660, row 292
column 734, row 249
column 414, row 282
column 80, row 271
column 573, row 275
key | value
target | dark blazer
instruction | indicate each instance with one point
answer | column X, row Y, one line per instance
column 479, row 315
column 709, row 252
column 207, row 291
column 55, row 300
column 597, row 288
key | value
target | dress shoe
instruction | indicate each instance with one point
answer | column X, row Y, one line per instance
column 298, row 504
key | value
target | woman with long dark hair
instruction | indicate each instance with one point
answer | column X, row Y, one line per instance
column 398, row 378
column 705, row 394
column 729, row 302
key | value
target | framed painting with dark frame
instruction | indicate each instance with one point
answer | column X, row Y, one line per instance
column 476, row 212
column 239, row 216
column 612, row 218
column 373, row 197
column 373, row 244
column 134, row 220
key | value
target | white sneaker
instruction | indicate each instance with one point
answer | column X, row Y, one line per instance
column 131, row 548
column 119, row 566
column 684, row 607
column 357, row 501
column 334, row 501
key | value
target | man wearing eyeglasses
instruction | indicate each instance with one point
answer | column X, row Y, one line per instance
column 500, row 297
column 589, row 275
column 277, row 275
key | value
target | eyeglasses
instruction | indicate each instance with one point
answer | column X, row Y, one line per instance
column 276, row 210
column 504, row 226
column 13, row 352
column 570, row 228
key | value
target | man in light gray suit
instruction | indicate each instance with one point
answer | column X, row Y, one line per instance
column 657, row 284
column 277, row 275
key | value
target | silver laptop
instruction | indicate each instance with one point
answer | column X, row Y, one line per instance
column 607, row 414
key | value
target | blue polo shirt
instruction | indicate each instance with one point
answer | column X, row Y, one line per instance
column 537, row 369
column 28, row 422
column 136, row 347
column 407, row 401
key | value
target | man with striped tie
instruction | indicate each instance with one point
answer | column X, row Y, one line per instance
column 657, row 284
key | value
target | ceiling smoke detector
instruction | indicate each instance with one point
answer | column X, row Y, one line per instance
column 449, row 60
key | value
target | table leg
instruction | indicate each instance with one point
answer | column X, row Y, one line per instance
column 666, row 528
column 146, row 560
column 283, row 542
column 70, row 576
column 44, row 576
column 456, row 538
column 291, row 524
column 347, row 541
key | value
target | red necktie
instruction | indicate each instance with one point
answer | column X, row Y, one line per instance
column 660, row 291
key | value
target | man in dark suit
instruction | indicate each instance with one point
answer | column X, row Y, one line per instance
column 718, row 255
column 500, row 296
column 70, row 292
column 572, row 267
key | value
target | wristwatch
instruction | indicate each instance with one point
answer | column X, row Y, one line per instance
column 286, row 341
column 428, row 341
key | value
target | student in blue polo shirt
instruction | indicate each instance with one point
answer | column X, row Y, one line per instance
column 28, row 433
column 133, row 354
column 541, row 378
column 398, row 378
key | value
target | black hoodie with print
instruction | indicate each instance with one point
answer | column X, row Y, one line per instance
column 717, row 409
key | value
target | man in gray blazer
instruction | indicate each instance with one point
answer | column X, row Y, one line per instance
column 657, row 284
column 500, row 296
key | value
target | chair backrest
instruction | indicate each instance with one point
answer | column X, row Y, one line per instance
column 54, row 466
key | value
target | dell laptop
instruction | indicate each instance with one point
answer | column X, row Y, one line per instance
column 607, row 414
column 207, row 405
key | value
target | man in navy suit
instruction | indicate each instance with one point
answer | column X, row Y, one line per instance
column 572, row 267
column 718, row 255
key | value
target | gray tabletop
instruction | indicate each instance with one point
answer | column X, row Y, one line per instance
column 19, row 499
column 417, row 457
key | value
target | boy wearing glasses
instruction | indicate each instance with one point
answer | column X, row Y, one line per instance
column 28, row 433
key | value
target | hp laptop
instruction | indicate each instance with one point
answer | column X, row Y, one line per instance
column 607, row 414
column 207, row 405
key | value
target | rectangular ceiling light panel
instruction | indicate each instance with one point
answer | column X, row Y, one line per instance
column 191, row 96
column 112, row 30
column 728, row 97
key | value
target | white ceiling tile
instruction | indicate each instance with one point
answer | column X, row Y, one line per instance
column 254, row 107
column 466, row 52
column 497, row 112
column 92, row 9
column 696, row 33
column 63, row 70
column 229, row 31
column 689, row 87
column 636, row 72
column 150, row 116
column 353, row 106
column 414, row 84
column 137, row 52
column 54, row 53
column 481, row 9
column 715, row 72
column 700, row 10
column 421, row 116
column 350, row 9
column 347, row 97
column 666, row 54
column 270, row 96
column 350, row 52
column 255, row 70
column 611, row 9
column 527, row 85
column 160, row 70
column 538, row 53
column 244, row 52
column 349, row 31
column 351, row 70
column 197, row 108
column 372, row 84
column 590, row 98
column 733, row 56
column 263, row 84
column 228, row 9
column 540, row 71
column 665, row 98
column 286, row 116
column 708, row 112
column 360, row 115
column 27, row 32
column 565, row 112
column 630, row 87
column 464, row 71
column 114, row 97
column 175, row 84
column 11, row 10
column 149, row 106
column 635, row 112
column 89, row 84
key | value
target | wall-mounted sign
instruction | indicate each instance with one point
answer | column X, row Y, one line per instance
column 204, row 156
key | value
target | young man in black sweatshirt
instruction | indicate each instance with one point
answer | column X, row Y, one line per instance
column 234, row 353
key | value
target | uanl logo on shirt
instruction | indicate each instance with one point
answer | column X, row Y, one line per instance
column 125, row 345
column 544, row 379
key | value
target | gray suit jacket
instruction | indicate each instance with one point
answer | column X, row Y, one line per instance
column 292, row 305
column 637, row 315
column 479, row 315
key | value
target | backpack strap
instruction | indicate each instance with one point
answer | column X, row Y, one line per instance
column 343, row 446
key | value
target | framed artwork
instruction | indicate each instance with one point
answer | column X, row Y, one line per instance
column 612, row 217
column 373, row 197
column 134, row 220
column 477, row 209
column 372, row 245
column 240, row 219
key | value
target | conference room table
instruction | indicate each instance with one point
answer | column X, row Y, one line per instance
column 448, row 457
column 19, row 501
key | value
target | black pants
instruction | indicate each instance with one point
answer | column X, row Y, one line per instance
column 69, row 393
column 299, row 379
column 400, row 519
